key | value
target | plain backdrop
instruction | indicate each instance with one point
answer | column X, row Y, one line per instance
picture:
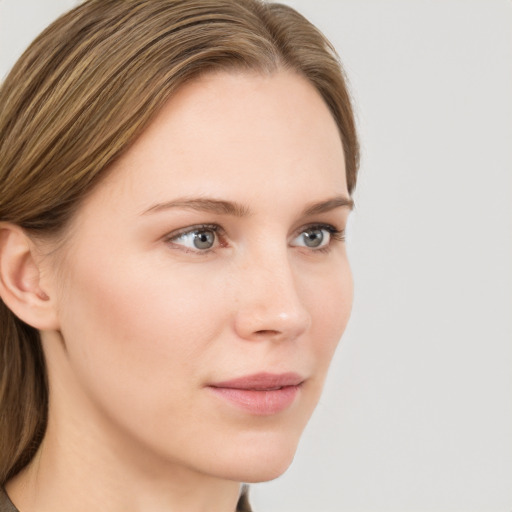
column 417, row 410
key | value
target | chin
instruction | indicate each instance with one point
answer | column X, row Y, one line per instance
column 260, row 460
column 262, row 449
column 257, row 471
column 265, row 473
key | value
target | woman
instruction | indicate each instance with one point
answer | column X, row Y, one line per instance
column 176, row 179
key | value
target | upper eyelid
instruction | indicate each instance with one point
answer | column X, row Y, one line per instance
column 321, row 225
column 190, row 229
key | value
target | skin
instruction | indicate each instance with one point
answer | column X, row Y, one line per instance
column 146, row 320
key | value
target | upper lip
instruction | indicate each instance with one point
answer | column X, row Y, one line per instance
column 261, row 381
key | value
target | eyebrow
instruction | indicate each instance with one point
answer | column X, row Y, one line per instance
column 327, row 206
column 203, row 205
column 235, row 209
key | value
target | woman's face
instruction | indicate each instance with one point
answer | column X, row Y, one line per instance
column 204, row 284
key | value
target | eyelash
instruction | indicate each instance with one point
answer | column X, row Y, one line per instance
column 336, row 235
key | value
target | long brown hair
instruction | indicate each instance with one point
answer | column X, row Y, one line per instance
column 82, row 93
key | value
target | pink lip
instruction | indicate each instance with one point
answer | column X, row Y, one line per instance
column 262, row 393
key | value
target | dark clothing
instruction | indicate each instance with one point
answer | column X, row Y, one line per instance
column 5, row 503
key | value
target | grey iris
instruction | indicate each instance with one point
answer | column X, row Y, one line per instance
column 313, row 237
column 204, row 239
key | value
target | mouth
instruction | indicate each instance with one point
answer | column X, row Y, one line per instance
column 261, row 394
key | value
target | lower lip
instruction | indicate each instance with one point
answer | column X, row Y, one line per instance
column 260, row 403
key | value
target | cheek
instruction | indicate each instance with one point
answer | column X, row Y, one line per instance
column 330, row 306
column 137, row 331
column 141, row 335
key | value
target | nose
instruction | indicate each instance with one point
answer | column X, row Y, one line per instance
column 269, row 305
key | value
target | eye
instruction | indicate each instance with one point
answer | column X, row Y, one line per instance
column 317, row 237
column 197, row 238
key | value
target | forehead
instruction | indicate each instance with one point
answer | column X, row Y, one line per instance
column 230, row 134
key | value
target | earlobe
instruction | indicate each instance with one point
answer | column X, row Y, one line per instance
column 20, row 280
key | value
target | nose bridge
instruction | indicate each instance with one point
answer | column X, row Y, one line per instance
column 269, row 302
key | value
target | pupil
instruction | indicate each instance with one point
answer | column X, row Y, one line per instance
column 204, row 239
column 313, row 237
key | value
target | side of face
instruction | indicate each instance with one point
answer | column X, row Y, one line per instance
column 212, row 251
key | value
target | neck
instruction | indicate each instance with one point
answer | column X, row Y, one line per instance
column 63, row 478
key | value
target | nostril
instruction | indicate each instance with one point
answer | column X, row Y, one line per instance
column 267, row 332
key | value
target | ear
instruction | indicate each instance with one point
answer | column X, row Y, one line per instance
column 21, row 286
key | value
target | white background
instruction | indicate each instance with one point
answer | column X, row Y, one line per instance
column 417, row 411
